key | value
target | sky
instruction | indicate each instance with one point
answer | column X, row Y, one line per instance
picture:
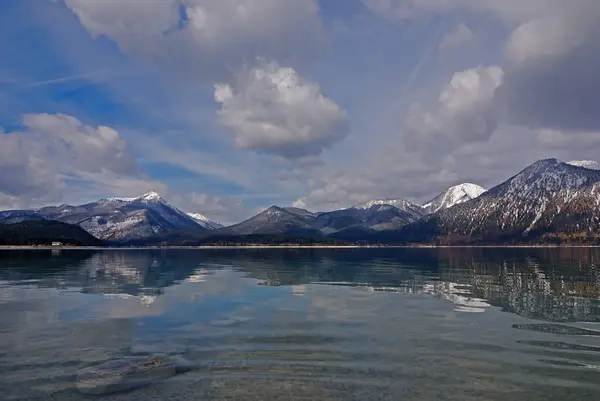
column 228, row 107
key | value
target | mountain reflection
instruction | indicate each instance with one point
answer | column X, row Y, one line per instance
column 558, row 285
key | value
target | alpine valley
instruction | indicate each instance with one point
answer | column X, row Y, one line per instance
column 549, row 202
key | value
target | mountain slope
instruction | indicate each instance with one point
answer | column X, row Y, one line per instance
column 453, row 196
column 121, row 219
column 549, row 197
column 205, row 221
column 44, row 233
column 412, row 209
column 18, row 216
column 275, row 220
column 375, row 215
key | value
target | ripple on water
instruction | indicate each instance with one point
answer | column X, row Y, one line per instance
column 561, row 345
column 553, row 328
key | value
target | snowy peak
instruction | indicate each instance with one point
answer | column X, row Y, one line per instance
column 147, row 197
column 547, row 198
column 590, row 164
column 205, row 221
column 401, row 204
column 377, row 202
column 150, row 197
column 198, row 216
column 550, row 176
column 124, row 219
column 454, row 196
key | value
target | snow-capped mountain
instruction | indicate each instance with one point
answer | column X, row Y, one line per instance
column 376, row 215
column 593, row 165
column 453, row 196
column 205, row 221
column 549, row 197
column 116, row 219
column 550, row 200
column 411, row 208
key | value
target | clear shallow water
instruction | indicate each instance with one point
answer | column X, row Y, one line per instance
column 367, row 324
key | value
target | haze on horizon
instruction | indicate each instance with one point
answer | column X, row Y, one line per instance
column 228, row 107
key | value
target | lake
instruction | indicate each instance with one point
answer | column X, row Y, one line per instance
column 308, row 324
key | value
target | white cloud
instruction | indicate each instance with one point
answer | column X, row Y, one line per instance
column 58, row 158
column 272, row 109
column 54, row 151
column 465, row 113
column 541, row 38
column 205, row 38
column 82, row 147
column 546, row 79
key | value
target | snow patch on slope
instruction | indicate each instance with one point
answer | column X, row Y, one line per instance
column 454, row 196
column 150, row 197
column 397, row 203
column 205, row 221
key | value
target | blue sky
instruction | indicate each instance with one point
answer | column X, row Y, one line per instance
column 228, row 107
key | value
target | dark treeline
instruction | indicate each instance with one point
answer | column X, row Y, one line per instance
column 45, row 233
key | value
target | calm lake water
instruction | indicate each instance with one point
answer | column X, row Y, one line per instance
column 320, row 324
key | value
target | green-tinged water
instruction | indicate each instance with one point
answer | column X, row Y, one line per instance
column 308, row 324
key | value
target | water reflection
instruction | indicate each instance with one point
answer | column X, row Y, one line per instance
column 557, row 285
column 327, row 324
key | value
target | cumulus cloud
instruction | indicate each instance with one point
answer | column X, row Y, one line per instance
column 205, row 38
column 551, row 60
column 83, row 147
column 56, row 157
column 54, row 150
column 540, row 100
column 272, row 109
column 465, row 112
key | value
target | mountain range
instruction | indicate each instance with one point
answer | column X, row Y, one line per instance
column 547, row 201
column 117, row 219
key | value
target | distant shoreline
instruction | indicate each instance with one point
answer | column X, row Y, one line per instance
column 141, row 248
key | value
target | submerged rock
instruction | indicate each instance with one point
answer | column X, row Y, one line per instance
column 125, row 374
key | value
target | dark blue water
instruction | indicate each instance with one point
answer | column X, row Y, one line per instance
column 308, row 324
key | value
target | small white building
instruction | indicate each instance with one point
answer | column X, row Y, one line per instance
column 56, row 243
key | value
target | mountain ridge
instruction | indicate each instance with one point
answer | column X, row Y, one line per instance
column 116, row 219
column 549, row 199
column 453, row 196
